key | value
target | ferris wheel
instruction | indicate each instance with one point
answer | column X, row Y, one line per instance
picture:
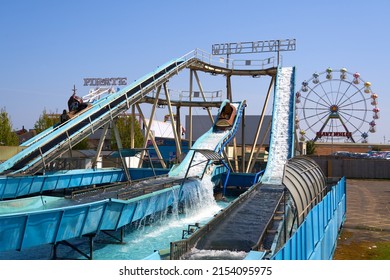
column 336, row 106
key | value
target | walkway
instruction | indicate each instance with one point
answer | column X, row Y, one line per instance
column 368, row 219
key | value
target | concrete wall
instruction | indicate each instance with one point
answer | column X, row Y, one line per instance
column 9, row 151
column 354, row 168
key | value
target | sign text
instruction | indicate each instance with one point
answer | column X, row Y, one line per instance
column 105, row 81
column 254, row 47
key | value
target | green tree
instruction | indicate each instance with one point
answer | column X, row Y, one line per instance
column 82, row 145
column 45, row 121
column 310, row 147
column 7, row 136
column 124, row 127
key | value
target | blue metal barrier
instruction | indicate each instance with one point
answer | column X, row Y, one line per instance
column 29, row 222
column 316, row 237
column 13, row 187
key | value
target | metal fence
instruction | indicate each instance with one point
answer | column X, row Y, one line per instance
column 354, row 168
column 316, row 237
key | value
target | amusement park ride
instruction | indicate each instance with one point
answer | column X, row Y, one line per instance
column 334, row 106
column 89, row 201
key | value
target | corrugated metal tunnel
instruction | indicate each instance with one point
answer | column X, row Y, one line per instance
column 306, row 182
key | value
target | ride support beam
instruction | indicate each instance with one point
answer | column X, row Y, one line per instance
column 229, row 88
column 243, row 140
column 100, row 145
column 132, row 127
column 120, row 148
column 152, row 139
column 259, row 147
column 271, row 85
column 178, row 131
column 190, row 109
column 178, row 144
column 203, row 96
column 235, row 157
column 149, row 125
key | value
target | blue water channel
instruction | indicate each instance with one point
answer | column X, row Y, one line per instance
column 140, row 240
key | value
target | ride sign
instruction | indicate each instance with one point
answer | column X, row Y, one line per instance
column 105, row 81
column 334, row 134
column 254, row 47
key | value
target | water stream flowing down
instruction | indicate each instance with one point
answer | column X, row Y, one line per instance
column 280, row 134
column 140, row 243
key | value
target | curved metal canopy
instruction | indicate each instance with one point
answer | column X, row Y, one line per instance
column 306, row 182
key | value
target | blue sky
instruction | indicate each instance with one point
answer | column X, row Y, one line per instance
column 49, row 46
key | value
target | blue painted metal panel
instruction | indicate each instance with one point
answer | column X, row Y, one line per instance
column 245, row 180
column 11, row 233
column 316, row 225
column 37, row 226
column 112, row 215
column 72, row 223
column 127, row 213
column 141, row 209
column 316, row 238
column 12, row 187
column 40, row 229
column 36, row 185
column 50, row 183
column 254, row 255
column 94, row 217
column 86, row 179
column 303, row 242
column 139, row 173
column 321, row 219
column 161, row 203
column 62, row 182
column 310, row 228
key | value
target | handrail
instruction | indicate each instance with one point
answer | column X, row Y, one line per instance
column 234, row 64
column 258, row 174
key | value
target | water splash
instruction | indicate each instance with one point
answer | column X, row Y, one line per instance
column 196, row 254
column 199, row 207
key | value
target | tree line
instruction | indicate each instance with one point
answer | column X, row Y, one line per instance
column 9, row 137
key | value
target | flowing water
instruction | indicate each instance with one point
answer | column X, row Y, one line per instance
column 280, row 138
column 140, row 240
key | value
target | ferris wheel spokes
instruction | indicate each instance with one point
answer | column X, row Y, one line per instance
column 356, row 102
column 330, row 102
column 348, row 98
column 335, row 107
column 352, row 116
